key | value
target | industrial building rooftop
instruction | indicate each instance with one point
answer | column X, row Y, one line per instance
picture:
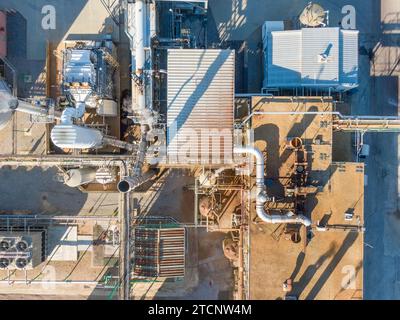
column 203, row 150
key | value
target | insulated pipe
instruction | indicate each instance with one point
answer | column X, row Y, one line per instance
column 139, row 52
column 128, row 184
column 262, row 196
column 25, row 107
column 137, row 170
column 70, row 113
column 139, row 36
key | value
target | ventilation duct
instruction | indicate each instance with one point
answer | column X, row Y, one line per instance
column 4, row 263
column 22, row 246
column 5, row 244
column 21, row 263
column 262, row 196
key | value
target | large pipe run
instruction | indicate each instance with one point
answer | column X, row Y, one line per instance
column 128, row 184
column 139, row 51
column 262, row 196
column 25, row 107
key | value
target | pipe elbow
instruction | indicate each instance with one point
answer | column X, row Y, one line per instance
column 304, row 220
column 287, row 218
column 250, row 150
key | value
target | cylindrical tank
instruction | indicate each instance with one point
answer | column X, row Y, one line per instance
column 231, row 249
column 294, row 143
column 76, row 137
column 77, row 177
column 205, row 207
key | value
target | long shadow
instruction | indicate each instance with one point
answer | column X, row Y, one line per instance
column 347, row 243
column 22, row 42
column 298, row 130
column 270, row 134
column 309, row 273
column 36, row 190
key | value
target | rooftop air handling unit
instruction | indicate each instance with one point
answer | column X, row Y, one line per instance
column 71, row 136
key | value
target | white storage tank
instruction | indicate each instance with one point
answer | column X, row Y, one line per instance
column 75, row 137
column 77, row 177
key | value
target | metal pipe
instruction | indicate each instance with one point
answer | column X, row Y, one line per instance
column 139, row 36
column 262, row 196
column 42, row 282
column 119, row 144
column 65, row 160
column 70, row 113
column 128, row 184
column 59, row 218
column 335, row 113
column 25, row 107
column 141, row 155
column 140, row 53
column 249, row 95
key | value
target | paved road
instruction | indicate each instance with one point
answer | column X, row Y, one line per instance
column 382, row 215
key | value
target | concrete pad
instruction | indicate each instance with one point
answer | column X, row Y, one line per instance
column 63, row 243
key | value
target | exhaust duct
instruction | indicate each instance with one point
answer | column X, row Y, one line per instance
column 262, row 196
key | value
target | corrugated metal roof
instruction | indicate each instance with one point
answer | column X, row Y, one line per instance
column 322, row 57
column 315, row 68
column 349, row 71
column 200, row 106
column 285, row 63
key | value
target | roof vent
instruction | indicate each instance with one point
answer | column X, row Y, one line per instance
column 4, row 263
column 21, row 263
column 22, row 245
column 5, row 244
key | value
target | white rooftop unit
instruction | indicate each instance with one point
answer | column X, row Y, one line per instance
column 200, row 106
column 311, row 57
